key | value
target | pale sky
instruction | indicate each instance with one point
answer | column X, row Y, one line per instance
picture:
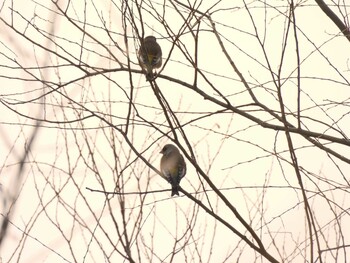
column 63, row 67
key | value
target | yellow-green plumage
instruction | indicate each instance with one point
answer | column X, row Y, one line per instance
column 172, row 166
column 150, row 55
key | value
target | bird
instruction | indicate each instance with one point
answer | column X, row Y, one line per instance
column 172, row 167
column 150, row 55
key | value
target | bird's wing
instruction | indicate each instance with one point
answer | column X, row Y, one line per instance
column 182, row 168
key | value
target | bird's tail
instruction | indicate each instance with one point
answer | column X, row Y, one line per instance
column 149, row 73
column 174, row 190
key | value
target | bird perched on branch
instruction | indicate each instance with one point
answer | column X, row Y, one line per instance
column 172, row 166
column 150, row 55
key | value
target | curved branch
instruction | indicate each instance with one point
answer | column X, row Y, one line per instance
column 334, row 18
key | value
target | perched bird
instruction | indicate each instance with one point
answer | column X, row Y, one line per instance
column 172, row 166
column 150, row 55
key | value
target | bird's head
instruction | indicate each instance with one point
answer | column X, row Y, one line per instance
column 150, row 38
column 168, row 149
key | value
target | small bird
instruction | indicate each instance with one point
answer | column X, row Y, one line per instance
column 172, row 166
column 150, row 55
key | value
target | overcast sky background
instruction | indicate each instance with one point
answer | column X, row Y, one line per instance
column 55, row 218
